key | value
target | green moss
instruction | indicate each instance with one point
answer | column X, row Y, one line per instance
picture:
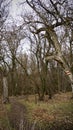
column 8, row 107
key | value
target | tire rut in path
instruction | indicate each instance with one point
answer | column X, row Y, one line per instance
column 18, row 116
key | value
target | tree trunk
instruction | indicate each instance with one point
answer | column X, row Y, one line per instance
column 58, row 55
column 72, row 89
column 5, row 90
column 58, row 76
column 50, row 93
column 41, row 97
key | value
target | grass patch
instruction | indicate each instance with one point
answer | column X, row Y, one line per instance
column 4, row 124
column 8, row 107
column 48, row 112
column 4, row 120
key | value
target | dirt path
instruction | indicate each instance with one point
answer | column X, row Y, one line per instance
column 17, row 115
column 15, row 119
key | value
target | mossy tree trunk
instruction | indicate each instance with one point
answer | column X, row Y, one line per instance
column 5, row 90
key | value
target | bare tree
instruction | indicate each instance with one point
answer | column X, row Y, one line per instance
column 12, row 39
column 56, row 15
column 3, row 16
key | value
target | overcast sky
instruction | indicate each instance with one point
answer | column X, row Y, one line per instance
column 15, row 11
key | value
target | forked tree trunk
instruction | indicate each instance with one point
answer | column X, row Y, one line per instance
column 58, row 54
column 5, row 90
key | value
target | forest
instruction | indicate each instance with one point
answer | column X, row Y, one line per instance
column 36, row 65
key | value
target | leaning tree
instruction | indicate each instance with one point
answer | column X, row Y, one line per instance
column 55, row 20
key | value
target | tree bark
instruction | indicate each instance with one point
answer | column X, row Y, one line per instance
column 5, row 90
column 58, row 56
column 72, row 89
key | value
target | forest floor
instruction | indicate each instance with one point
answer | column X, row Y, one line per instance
column 51, row 114
column 26, row 112
column 4, row 121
